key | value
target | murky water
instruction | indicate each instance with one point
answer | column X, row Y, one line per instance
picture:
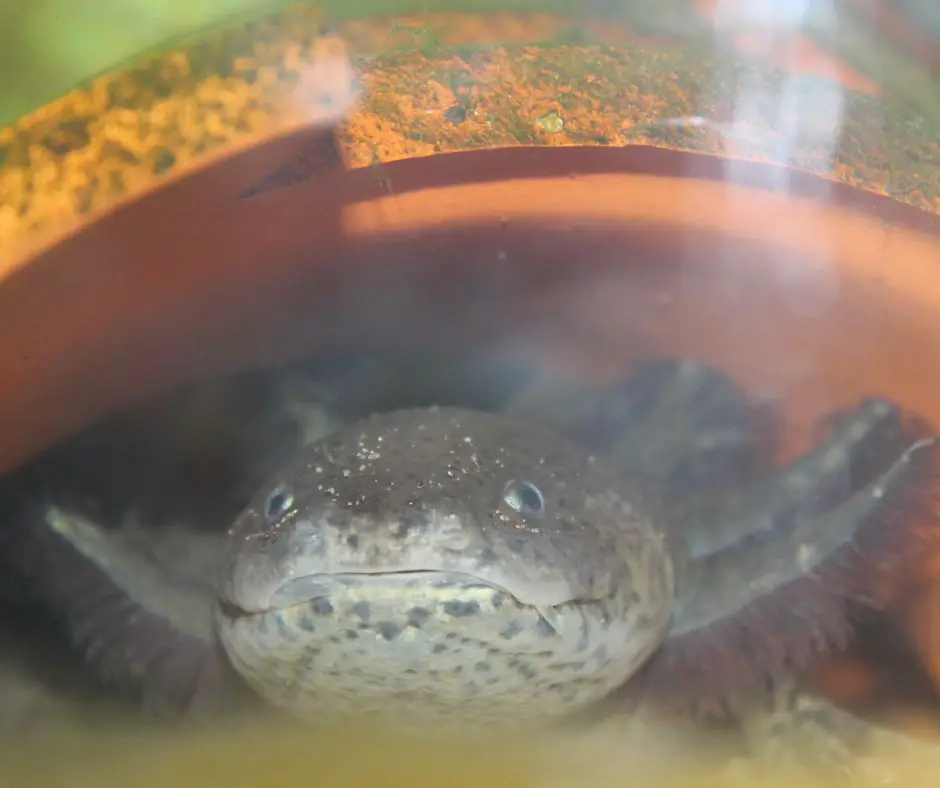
column 468, row 81
column 262, row 756
column 106, row 755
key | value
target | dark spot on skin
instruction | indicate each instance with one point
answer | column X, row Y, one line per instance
column 439, row 648
column 417, row 616
column 283, row 629
column 459, row 609
column 322, row 607
column 340, row 520
column 488, row 556
column 351, row 634
column 352, row 541
column 515, row 545
column 526, row 672
column 457, row 670
column 499, row 599
column 544, row 628
column 451, row 636
column 363, row 610
column 482, row 667
column 410, row 521
column 306, row 624
column 511, row 630
column 389, row 630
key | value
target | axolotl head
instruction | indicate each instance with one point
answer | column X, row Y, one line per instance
column 438, row 565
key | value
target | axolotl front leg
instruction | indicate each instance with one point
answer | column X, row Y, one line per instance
column 777, row 562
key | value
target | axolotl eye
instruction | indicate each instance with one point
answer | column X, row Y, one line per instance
column 525, row 498
column 278, row 503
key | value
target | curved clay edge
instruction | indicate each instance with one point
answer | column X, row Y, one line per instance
column 215, row 285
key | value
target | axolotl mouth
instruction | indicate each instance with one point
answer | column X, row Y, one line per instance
column 430, row 644
column 459, row 595
column 433, row 644
column 543, row 597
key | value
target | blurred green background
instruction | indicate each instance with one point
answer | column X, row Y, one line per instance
column 48, row 45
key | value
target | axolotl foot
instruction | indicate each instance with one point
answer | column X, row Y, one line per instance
column 793, row 733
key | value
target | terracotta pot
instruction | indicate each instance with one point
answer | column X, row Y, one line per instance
column 592, row 255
